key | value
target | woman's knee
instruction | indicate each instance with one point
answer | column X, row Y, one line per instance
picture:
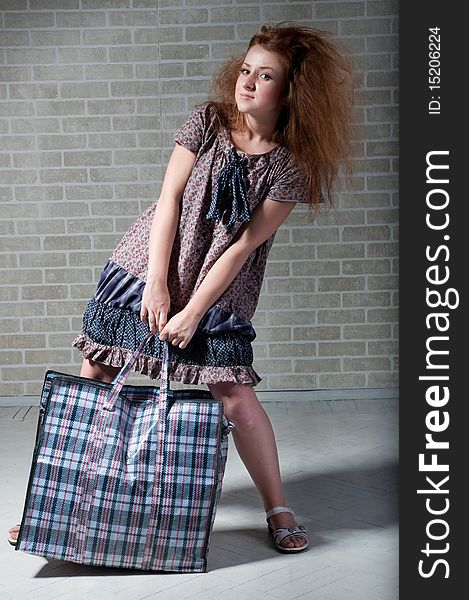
column 95, row 370
column 240, row 402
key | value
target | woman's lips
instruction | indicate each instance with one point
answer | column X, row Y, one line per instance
column 246, row 96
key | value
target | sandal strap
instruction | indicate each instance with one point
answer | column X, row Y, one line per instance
column 279, row 509
column 286, row 532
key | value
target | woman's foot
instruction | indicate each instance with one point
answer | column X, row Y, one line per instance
column 282, row 518
column 13, row 533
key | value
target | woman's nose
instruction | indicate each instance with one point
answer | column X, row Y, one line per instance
column 249, row 82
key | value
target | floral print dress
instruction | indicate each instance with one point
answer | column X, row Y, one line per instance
column 225, row 186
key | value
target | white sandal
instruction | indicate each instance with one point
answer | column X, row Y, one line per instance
column 283, row 533
column 14, row 530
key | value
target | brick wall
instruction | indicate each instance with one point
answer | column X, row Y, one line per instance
column 90, row 94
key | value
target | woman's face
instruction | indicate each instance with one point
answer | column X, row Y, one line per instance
column 261, row 84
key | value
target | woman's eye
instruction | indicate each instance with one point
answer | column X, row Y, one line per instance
column 264, row 76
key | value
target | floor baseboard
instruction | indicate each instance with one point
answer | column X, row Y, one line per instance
column 266, row 396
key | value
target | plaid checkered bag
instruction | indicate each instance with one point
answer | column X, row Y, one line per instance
column 125, row 476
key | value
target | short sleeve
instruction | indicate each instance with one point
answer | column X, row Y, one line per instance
column 191, row 133
column 289, row 185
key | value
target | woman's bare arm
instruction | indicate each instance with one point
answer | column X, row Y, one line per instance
column 156, row 300
column 165, row 220
column 265, row 220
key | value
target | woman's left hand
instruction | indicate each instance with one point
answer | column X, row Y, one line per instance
column 180, row 328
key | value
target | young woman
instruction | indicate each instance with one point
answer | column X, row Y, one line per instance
column 191, row 267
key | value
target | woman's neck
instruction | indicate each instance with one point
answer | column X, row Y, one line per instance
column 251, row 143
column 256, row 137
column 256, row 131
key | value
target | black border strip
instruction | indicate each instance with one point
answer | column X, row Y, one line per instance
column 433, row 257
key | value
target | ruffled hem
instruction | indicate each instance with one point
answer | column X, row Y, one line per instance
column 149, row 365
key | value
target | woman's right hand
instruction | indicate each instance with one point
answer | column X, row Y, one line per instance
column 155, row 307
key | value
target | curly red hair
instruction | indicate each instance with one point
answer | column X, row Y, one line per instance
column 315, row 124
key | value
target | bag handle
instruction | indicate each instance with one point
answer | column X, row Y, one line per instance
column 119, row 380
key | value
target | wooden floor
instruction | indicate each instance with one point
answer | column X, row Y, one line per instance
column 339, row 463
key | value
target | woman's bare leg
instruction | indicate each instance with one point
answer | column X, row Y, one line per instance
column 255, row 442
column 95, row 370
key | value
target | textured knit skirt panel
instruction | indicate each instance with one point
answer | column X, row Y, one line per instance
column 112, row 332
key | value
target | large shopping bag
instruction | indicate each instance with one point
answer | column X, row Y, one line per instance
column 125, row 476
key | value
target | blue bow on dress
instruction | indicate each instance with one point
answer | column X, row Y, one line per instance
column 229, row 194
